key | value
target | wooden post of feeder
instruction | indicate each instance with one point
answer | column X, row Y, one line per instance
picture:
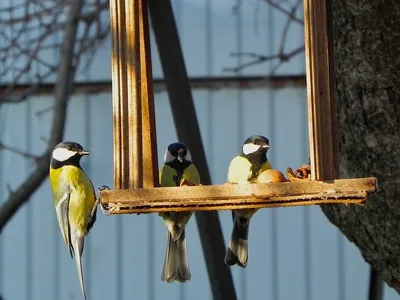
column 322, row 118
column 135, row 152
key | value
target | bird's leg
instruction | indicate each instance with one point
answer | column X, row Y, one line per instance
column 97, row 203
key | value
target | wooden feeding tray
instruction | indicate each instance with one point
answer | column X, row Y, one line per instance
column 227, row 197
column 135, row 147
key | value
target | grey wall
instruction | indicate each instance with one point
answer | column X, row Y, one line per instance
column 294, row 252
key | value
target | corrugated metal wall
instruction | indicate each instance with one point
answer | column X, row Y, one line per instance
column 295, row 253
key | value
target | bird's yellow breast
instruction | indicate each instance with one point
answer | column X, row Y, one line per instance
column 82, row 196
column 240, row 170
column 170, row 177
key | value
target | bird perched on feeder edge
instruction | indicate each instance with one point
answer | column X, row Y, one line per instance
column 74, row 199
column 177, row 170
column 244, row 169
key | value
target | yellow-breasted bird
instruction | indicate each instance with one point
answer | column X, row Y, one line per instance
column 177, row 168
column 74, row 199
column 245, row 169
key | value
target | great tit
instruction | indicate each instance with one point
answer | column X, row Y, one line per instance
column 245, row 169
column 74, row 199
column 177, row 168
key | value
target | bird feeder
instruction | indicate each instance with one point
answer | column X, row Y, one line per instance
column 136, row 187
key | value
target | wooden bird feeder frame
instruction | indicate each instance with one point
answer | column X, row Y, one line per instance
column 135, row 147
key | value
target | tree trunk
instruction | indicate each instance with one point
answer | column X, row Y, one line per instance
column 367, row 58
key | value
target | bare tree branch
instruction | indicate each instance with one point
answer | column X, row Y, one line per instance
column 31, row 30
column 259, row 58
column 65, row 76
column 282, row 56
column 290, row 14
column 287, row 25
column 19, row 152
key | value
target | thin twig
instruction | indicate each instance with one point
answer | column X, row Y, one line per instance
column 259, row 58
column 28, row 33
column 27, row 155
column 43, row 111
column 281, row 57
column 287, row 26
column 284, row 11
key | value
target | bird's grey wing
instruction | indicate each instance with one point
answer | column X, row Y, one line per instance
column 62, row 211
column 93, row 214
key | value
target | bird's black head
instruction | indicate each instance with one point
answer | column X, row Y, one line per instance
column 256, row 145
column 177, row 152
column 67, row 153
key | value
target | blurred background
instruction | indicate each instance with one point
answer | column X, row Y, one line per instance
column 294, row 253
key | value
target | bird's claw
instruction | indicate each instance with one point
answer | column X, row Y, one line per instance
column 103, row 188
column 102, row 207
column 98, row 203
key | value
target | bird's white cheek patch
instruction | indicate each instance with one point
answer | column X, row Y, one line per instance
column 250, row 148
column 168, row 157
column 62, row 154
column 188, row 156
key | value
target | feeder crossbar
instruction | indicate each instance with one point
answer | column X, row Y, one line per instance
column 232, row 196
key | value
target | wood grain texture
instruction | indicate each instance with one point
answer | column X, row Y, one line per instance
column 149, row 136
column 226, row 197
column 134, row 77
column 119, row 91
column 320, row 90
column 135, row 150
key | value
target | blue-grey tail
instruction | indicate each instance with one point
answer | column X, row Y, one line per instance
column 237, row 251
column 176, row 266
column 78, row 250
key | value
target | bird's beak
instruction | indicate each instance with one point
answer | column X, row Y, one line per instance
column 266, row 146
column 84, row 152
column 180, row 158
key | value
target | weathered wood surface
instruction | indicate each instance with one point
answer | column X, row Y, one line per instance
column 229, row 196
column 135, row 148
column 322, row 116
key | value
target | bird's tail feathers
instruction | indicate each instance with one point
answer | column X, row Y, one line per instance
column 176, row 266
column 78, row 250
column 237, row 251
column 183, row 264
column 169, row 272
